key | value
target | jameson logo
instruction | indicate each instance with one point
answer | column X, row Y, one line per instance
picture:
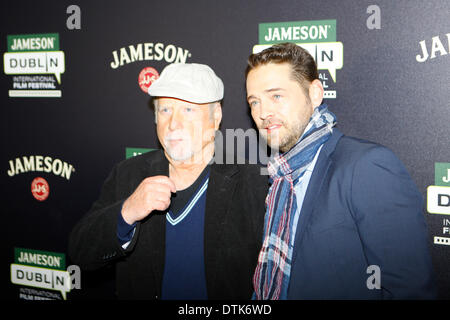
column 436, row 48
column 442, row 174
column 36, row 258
column 36, row 63
column 33, row 42
column 318, row 37
column 298, row 32
column 149, row 51
column 41, row 164
column 45, row 270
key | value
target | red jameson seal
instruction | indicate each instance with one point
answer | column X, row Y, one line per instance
column 147, row 77
column 40, row 189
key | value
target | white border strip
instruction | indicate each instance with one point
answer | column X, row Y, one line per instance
column 35, row 93
column 442, row 240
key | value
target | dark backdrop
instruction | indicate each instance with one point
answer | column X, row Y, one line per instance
column 383, row 94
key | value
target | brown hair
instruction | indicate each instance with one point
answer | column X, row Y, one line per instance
column 304, row 68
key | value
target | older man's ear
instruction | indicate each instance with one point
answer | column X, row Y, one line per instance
column 217, row 115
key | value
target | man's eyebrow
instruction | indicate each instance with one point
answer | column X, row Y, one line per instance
column 274, row 89
column 267, row 91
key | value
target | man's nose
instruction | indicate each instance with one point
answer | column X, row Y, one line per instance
column 267, row 110
column 176, row 121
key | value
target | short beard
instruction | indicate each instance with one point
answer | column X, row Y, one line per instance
column 287, row 142
column 291, row 139
column 177, row 156
column 294, row 132
column 180, row 153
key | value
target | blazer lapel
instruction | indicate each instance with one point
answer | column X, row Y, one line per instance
column 153, row 237
column 218, row 197
column 315, row 184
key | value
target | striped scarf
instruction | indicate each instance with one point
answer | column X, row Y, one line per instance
column 271, row 278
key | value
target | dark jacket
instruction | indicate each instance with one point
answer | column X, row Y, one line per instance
column 234, row 218
column 361, row 209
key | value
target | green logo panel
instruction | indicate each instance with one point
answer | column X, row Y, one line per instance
column 43, row 259
column 442, row 174
column 297, row 32
column 33, row 42
column 132, row 152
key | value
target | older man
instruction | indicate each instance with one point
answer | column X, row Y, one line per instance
column 344, row 219
column 175, row 224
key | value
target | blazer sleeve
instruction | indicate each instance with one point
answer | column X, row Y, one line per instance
column 388, row 210
column 93, row 242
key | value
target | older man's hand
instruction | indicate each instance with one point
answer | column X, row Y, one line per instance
column 153, row 193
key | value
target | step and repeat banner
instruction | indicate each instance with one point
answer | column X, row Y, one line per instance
column 74, row 103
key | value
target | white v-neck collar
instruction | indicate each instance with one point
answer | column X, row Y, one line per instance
column 189, row 207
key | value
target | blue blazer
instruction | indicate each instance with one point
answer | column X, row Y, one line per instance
column 361, row 208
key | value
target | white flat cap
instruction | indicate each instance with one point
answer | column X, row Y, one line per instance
column 191, row 82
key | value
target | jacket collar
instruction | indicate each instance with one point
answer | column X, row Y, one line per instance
column 157, row 164
column 330, row 145
column 315, row 184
